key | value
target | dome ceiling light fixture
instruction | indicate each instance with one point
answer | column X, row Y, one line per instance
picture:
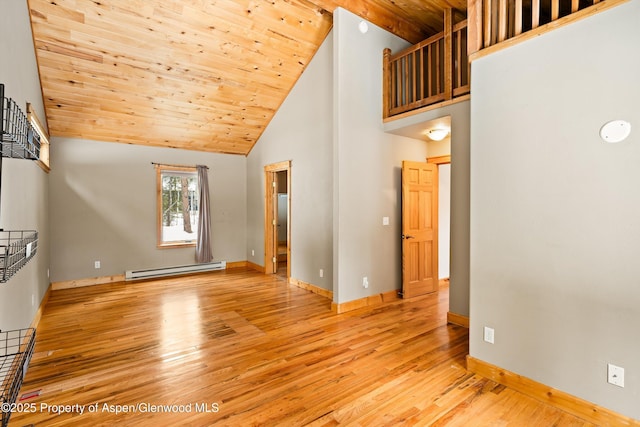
column 437, row 134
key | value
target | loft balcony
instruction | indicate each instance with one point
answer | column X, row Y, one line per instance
column 495, row 24
column 438, row 69
column 429, row 72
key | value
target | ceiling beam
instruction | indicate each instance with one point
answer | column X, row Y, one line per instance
column 378, row 15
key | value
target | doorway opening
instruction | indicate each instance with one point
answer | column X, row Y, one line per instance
column 444, row 217
column 277, row 227
column 439, row 154
column 426, row 236
column 282, row 221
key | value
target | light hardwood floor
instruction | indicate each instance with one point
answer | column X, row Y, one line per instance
column 260, row 352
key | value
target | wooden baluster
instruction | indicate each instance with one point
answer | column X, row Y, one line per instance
column 502, row 20
column 399, row 83
column 474, row 26
column 430, row 69
column 435, row 69
column 535, row 14
column 438, row 66
column 421, row 68
column 406, row 97
column 555, row 9
column 394, row 84
column 386, row 83
column 458, row 62
column 401, row 94
column 488, row 21
column 468, row 61
column 448, row 53
column 518, row 18
column 414, row 80
column 407, row 78
column 575, row 5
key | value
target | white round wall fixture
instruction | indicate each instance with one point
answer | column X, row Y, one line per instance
column 615, row 131
column 363, row 27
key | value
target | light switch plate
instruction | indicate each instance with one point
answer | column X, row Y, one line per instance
column 488, row 334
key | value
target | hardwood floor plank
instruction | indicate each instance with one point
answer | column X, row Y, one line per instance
column 237, row 347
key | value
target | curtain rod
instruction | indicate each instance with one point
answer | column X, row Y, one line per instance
column 175, row 166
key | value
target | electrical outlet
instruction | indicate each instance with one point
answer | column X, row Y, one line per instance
column 253, row 252
column 385, row 220
column 488, row 334
column 33, row 300
column 365, row 282
column 615, row 375
column 96, row 264
column 321, row 273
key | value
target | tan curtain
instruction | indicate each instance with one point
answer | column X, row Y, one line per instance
column 203, row 243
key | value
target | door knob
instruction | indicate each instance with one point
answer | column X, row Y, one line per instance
column 407, row 237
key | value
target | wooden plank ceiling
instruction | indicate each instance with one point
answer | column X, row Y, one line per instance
column 204, row 75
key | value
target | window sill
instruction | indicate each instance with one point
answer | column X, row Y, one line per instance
column 176, row 245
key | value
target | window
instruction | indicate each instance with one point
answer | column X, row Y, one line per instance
column 43, row 159
column 177, row 206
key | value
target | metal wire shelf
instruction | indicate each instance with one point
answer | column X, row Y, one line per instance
column 16, row 349
column 18, row 138
column 16, row 249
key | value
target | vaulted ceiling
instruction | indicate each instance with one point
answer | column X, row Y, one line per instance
column 205, row 75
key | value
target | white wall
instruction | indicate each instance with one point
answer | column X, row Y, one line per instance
column 555, row 230
column 301, row 132
column 25, row 196
column 345, row 168
column 439, row 148
column 366, row 166
column 103, row 207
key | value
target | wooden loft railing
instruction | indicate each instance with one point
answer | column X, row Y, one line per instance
column 429, row 72
column 438, row 69
column 492, row 22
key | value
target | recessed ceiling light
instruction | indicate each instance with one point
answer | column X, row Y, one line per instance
column 615, row 131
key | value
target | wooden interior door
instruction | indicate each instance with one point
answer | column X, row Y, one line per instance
column 271, row 215
column 270, row 225
column 419, row 228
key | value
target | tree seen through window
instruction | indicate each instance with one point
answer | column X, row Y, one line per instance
column 179, row 206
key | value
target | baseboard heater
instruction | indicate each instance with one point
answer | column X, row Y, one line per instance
column 172, row 271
